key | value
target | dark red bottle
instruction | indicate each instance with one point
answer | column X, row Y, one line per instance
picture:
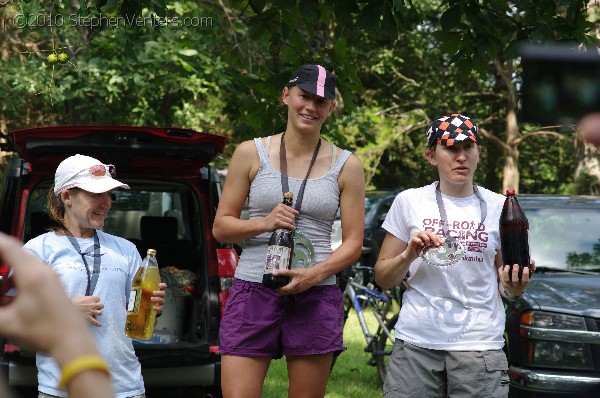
column 279, row 253
column 514, row 233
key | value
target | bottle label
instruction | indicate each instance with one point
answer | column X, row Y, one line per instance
column 133, row 305
column 277, row 258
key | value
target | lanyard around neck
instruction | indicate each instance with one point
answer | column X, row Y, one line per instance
column 93, row 251
column 285, row 187
column 442, row 209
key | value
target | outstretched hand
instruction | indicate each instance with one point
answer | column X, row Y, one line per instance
column 39, row 314
column 44, row 318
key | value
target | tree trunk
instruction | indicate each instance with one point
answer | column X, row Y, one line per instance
column 587, row 167
column 511, row 153
column 587, row 155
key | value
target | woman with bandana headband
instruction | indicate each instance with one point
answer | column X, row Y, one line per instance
column 444, row 238
column 303, row 319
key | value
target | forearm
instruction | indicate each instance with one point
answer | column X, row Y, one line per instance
column 89, row 383
column 345, row 255
column 390, row 272
column 232, row 229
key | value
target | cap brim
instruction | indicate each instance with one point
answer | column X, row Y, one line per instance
column 102, row 185
column 312, row 89
column 456, row 140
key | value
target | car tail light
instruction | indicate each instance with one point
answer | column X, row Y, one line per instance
column 555, row 341
column 227, row 262
column 6, row 283
column 4, row 269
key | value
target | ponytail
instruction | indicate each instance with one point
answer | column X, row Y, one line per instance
column 56, row 210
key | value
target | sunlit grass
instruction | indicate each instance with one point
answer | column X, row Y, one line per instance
column 352, row 376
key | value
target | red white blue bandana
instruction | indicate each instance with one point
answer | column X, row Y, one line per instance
column 450, row 129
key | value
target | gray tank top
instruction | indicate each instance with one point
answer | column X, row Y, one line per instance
column 319, row 205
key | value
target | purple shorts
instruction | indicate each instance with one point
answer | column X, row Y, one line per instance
column 259, row 322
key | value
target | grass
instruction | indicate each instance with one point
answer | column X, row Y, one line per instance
column 352, row 376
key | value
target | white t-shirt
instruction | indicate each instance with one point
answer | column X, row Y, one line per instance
column 456, row 307
column 119, row 261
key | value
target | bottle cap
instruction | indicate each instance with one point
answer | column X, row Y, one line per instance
column 510, row 192
column 151, row 252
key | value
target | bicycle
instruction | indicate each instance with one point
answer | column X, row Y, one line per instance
column 360, row 297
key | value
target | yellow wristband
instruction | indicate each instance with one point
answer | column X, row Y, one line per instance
column 82, row 364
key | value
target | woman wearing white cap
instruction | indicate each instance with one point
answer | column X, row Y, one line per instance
column 303, row 319
column 449, row 335
column 96, row 269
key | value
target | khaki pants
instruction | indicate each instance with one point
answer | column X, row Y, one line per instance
column 414, row 372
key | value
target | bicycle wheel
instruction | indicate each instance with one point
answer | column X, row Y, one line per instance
column 383, row 348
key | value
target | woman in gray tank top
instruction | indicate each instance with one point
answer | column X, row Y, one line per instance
column 303, row 319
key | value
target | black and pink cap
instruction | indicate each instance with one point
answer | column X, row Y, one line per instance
column 315, row 79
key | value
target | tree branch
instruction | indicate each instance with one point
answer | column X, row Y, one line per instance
column 489, row 136
column 539, row 133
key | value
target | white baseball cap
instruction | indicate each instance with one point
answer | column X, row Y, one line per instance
column 87, row 173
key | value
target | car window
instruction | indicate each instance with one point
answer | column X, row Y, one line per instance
column 564, row 238
column 370, row 206
column 130, row 205
column 371, row 209
column 124, row 219
column 382, row 211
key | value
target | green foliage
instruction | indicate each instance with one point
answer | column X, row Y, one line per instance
column 407, row 86
column 386, row 145
column 136, row 71
column 475, row 32
column 542, row 164
column 281, row 41
column 585, row 260
column 586, row 185
column 400, row 64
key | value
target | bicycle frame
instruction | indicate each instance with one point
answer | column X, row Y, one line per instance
column 358, row 296
column 381, row 305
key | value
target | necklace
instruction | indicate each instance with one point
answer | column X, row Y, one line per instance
column 284, row 177
column 93, row 251
column 301, row 258
column 442, row 209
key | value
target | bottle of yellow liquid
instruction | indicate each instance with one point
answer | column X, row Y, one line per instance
column 140, row 315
